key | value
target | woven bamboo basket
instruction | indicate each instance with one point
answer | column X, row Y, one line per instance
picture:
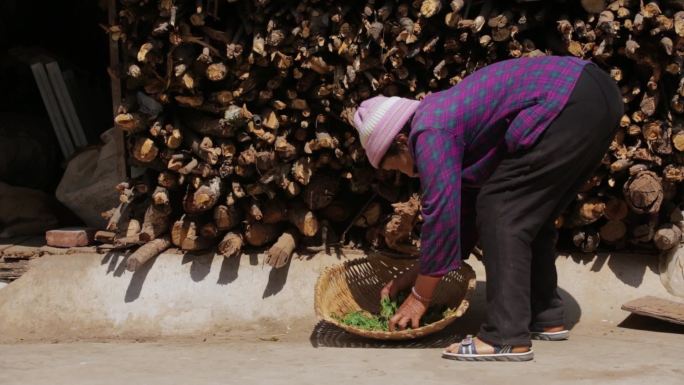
column 355, row 285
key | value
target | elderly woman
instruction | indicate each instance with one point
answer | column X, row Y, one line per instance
column 499, row 156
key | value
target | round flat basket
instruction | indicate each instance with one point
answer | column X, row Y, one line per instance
column 355, row 285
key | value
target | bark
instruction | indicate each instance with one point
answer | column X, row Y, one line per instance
column 587, row 240
column 146, row 252
column 231, row 244
column 156, row 222
column 204, row 197
column 304, row 219
column 185, row 235
column 281, row 251
column 667, row 237
column 226, row 217
column 399, row 229
column 320, row 192
column 644, row 192
column 260, row 234
column 613, row 231
column 370, row 216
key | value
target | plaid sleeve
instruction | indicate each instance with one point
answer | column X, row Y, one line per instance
column 438, row 157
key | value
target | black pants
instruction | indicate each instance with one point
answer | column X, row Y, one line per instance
column 518, row 204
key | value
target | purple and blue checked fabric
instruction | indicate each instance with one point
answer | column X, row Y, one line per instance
column 458, row 136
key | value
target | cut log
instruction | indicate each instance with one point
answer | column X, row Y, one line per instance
column 185, row 235
column 337, row 211
column 304, row 219
column 644, row 192
column 593, row 6
column 129, row 122
column 146, row 252
column 260, row 234
column 302, row 170
column 156, row 222
column 231, row 244
column 160, row 196
column 274, row 211
column 613, row 231
column 588, row 211
column 226, row 217
column 209, row 230
column 281, row 251
column 145, row 150
column 253, row 211
column 616, row 209
column 588, row 241
column 398, row 231
column 320, row 192
column 204, row 197
column 643, row 232
column 370, row 216
column 678, row 140
column 104, row 236
column 667, row 237
column 167, row 179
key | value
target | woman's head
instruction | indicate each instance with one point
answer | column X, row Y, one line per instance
column 398, row 156
column 383, row 125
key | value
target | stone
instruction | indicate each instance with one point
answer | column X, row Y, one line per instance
column 672, row 271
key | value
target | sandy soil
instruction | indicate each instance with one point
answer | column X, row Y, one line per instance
column 597, row 354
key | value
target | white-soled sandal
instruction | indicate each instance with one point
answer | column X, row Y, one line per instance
column 550, row 336
column 467, row 352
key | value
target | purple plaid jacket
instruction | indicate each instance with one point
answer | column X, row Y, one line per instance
column 458, row 136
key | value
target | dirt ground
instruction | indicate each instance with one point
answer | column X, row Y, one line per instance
column 595, row 354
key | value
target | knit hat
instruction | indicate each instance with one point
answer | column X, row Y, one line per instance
column 379, row 120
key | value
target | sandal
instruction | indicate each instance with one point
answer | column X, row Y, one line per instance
column 467, row 352
column 550, row 336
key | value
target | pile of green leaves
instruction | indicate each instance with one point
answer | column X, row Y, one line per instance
column 379, row 322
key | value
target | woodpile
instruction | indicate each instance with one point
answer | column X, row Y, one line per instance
column 238, row 113
column 13, row 266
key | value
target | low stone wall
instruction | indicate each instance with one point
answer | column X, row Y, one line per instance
column 92, row 296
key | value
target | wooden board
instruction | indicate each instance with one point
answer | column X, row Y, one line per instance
column 15, row 254
column 114, row 64
column 659, row 308
column 66, row 104
column 52, row 107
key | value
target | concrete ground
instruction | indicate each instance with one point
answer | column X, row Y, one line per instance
column 599, row 354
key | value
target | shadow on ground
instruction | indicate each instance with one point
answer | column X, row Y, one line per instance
column 640, row 322
column 200, row 266
column 628, row 267
column 328, row 335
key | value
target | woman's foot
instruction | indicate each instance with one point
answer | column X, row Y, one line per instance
column 474, row 349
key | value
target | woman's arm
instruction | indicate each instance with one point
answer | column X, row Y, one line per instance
column 438, row 156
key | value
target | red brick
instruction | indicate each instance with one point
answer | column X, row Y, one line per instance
column 70, row 237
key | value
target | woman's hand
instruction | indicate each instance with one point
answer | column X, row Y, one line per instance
column 414, row 307
column 400, row 283
column 410, row 311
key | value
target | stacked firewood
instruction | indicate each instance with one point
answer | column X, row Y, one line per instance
column 12, row 267
column 238, row 114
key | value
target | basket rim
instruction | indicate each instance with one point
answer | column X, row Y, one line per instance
column 397, row 335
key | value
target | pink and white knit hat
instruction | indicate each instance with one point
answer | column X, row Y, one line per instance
column 378, row 121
